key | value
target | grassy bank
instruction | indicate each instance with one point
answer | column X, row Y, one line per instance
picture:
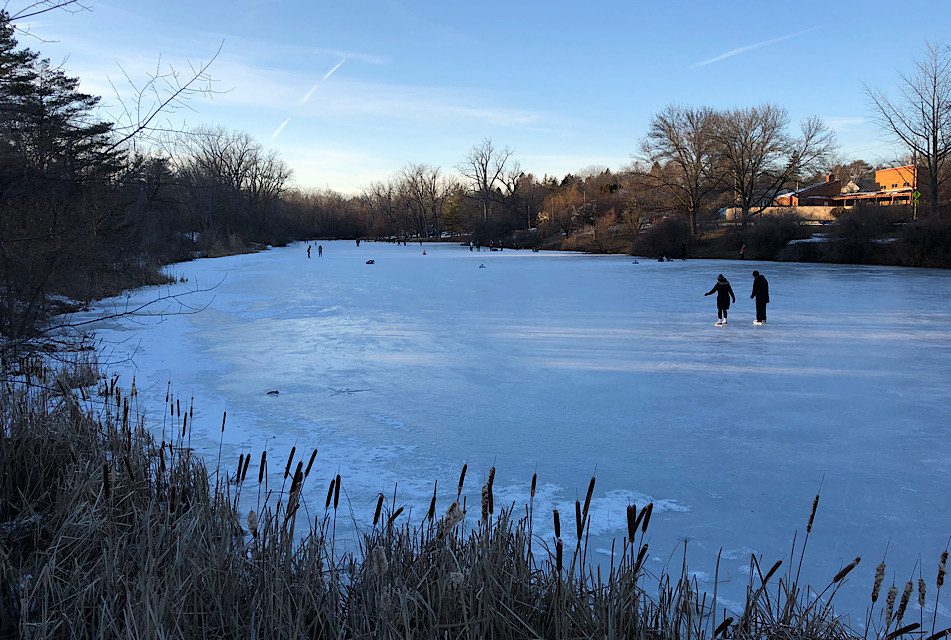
column 108, row 531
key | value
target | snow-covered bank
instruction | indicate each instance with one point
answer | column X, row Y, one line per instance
column 573, row 365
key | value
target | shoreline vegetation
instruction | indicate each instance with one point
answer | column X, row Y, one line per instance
column 109, row 531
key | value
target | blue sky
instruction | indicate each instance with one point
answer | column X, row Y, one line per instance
column 349, row 92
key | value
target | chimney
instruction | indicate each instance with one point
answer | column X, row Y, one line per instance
column 830, row 177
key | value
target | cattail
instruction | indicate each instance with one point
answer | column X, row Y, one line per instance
column 290, row 459
column 337, row 492
column 491, row 493
column 310, row 463
column 178, row 407
column 903, row 603
column 485, row 502
column 559, row 554
column 171, row 500
column 846, row 570
column 587, row 498
column 224, row 417
column 648, row 510
column 105, row 479
column 378, row 561
column 879, row 578
column 253, row 524
column 462, row 479
column 240, row 466
column 942, row 568
column 431, row 514
column 184, row 425
column 890, row 604
column 773, row 569
column 640, row 559
column 921, row 592
column 579, row 523
column 454, row 516
column 534, row 481
column 723, row 626
column 263, row 465
column 631, row 522
column 941, row 634
column 330, row 493
column 396, row 514
column 812, row 514
column 557, row 518
column 244, row 469
column 161, row 457
column 299, row 471
column 379, row 507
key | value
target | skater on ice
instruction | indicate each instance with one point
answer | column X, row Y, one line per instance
column 724, row 295
column 320, row 250
column 761, row 296
column 308, row 251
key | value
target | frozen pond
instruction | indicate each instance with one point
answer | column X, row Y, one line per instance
column 574, row 365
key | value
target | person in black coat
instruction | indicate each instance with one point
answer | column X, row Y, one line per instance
column 761, row 296
column 724, row 295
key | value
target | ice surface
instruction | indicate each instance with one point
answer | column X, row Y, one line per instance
column 573, row 365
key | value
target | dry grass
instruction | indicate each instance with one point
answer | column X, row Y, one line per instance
column 109, row 532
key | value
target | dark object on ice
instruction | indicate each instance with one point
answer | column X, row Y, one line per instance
column 273, row 392
column 320, row 250
column 742, row 251
column 724, row 294
column 760, row 294
column 635, row 262
column 371, row 261
column 482, row 266
column 308, row 251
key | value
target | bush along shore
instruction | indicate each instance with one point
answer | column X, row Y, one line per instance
column 109, row 531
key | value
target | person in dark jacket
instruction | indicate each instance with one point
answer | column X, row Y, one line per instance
column 761, row 296
column 724, row 295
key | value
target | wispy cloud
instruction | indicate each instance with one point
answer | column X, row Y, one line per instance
column 750, row 47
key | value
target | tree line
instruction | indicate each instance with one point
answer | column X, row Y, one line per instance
column 89, row 206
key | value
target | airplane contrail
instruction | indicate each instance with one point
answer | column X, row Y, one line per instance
column 280, row 128
column 326, row 77
column 750, row 47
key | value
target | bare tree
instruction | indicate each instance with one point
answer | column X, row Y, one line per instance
column 425, row 191
column 485, row 167
column 385, row 204
column 756, row 153
column 680, row 140
column 920, row 117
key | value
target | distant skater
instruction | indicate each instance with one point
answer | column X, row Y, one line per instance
column 358, row 242
column 683, row 250
column 308, row 251
column 743, row 251
column 761, row 296
column 724, row 295
column 320, row 251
